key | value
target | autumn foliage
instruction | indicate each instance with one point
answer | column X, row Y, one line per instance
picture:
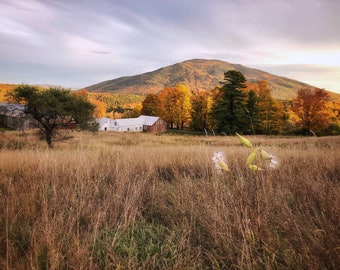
column 312, row 111
column 176, row 105
column 310, row 107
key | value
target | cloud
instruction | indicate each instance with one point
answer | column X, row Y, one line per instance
column 327, row 77
column 101, row 40
column 100, row 52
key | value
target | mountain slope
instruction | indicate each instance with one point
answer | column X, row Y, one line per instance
column 197, row 74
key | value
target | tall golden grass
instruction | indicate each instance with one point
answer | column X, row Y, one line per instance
column 140, row 201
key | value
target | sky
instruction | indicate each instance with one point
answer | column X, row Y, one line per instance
column 77, row 43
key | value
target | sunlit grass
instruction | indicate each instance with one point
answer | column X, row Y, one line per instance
column 141, row 201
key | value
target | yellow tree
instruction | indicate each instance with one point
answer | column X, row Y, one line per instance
column 183, row 115
column 201, row 102
column 270, row 116
column 270, row 111
column 334, row 110
column 100, row 110
column 175, row 105
column 133, row 111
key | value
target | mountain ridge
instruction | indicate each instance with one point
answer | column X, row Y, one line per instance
column 196, row 74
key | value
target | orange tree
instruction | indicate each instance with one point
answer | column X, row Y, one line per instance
column 151, row 105
column 310, row 108
column 270, row 113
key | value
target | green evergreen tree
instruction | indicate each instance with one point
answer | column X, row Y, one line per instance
column 229, row 109
column 252, row 111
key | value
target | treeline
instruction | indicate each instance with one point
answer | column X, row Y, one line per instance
column 233, row 106
column 240, row 106
column 115, row 105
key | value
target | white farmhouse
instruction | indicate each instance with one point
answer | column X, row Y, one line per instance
column 139, row 124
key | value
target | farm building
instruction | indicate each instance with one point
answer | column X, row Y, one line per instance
column 13, row 116
column 139, row 124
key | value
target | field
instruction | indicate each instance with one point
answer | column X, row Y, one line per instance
column 141, row 201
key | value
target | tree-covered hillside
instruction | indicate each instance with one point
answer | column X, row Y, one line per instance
column 197, row 74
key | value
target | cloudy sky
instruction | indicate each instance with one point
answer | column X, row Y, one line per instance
column 77, row 43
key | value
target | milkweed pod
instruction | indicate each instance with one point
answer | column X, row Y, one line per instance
column 244, row 141
column 264, row 155
column 219, row 160
column 254, row 167
column 252, row 157
column 223, row 166
column 273, row 163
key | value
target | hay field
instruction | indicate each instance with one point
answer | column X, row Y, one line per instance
column 141, row 201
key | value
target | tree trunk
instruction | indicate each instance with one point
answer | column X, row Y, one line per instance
column 49, row 138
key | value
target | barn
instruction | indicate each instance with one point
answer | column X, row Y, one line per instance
column 13, row 116
column 153, row 124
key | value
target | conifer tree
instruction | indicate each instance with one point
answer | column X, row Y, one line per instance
column 252, row 111
column 229, row 109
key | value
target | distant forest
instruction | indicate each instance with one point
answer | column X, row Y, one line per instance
column 236, row 105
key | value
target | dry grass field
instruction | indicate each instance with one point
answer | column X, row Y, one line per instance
column 141, row 201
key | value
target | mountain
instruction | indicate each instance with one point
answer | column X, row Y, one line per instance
column 197, row 74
